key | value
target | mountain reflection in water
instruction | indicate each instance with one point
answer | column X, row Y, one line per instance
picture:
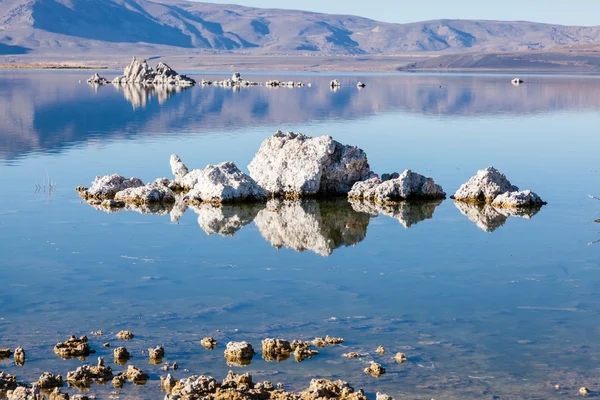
column 319, row 226
column 52, row 112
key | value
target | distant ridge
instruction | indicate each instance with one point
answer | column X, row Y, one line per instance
column 126, row 26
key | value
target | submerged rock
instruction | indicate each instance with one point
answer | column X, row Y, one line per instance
column 292, row 165
column 85, row 375
column 49, row 381
column 375, row 369
column 225, row 183
column 73, row 347
column 320, row 227
column 209, row 343
column 239, row 353
column 276, row 349
column 408, row 186
column 407, row 213
column 106, row 187
column 125, row 335
column 155, row 192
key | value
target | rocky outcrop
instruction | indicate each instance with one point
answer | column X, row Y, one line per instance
column 73, row 347
column 491, row 186
column 407, row 186
column 225, row 219
column 85, row 375
column 138, row 72
column 224, row 183
column 407, row 213
column 97, row 79
column 293, row 165
column 276, row 350
column 106, row 187
column 239, row 353
column 155, row 192
column 178, row 168
column 320, row 227
column 49, row 381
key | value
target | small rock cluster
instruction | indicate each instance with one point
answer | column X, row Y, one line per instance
column 73, row 347
column 209, row 343
column 85, row 375
column 236, row 81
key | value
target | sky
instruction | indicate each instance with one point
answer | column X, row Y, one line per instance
column 573, row 12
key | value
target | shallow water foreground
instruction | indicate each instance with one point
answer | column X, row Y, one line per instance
column 485, row 305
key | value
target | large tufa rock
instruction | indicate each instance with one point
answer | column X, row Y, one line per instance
column 106, row 187
column 293, row 164
column 225, row 183
column 407, row 186
column 155, row 192
column 138, row 72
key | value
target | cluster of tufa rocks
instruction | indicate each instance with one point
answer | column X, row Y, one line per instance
column 73, row 347
column 236, row 81
column 236, row 386
column 293, row 166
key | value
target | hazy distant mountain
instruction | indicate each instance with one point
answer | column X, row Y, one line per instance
column 84, row 26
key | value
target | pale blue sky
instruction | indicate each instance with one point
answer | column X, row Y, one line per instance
column 573, row 12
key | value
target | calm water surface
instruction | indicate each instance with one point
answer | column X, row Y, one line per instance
column 485, row 305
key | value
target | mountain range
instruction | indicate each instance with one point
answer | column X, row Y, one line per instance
column 161, row 26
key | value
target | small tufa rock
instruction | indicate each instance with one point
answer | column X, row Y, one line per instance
column 7, row 381
column 5, row 353
column 121, row 353
column 302, row 350
column 167, row 383
column 73, row 347
column 328, row 341
column 239, row 353
column 276, row 349
column 49, row 381
column 383, row 396
column 407, row 186
column 155, row 192
column 525, row 199
column 133, row 375
column 125, row 335
column 156, row 353
column 360, row 85
column 19, row 356
column 107, row 344
column 209, row 343
column 584, row 391
column 375, row 369
column 380, row 350
column 106, row 187
column 400, row 358
column 352, row 354
column 325, row 389
column 178, row 168
column 58, row 395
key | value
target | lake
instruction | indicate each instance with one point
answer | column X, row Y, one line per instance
column 485, row 305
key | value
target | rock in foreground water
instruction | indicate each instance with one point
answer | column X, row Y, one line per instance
column 23, row 393
column 292, row 164
column 74, row 347
column 239, row 353
column 49, row 381
column 276, row 349
column 7, row 381
column 85, row 375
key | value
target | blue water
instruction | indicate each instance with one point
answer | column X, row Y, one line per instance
column 500, row 308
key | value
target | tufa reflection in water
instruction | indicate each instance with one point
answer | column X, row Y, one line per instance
column 319, row 226
column 489, row 218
